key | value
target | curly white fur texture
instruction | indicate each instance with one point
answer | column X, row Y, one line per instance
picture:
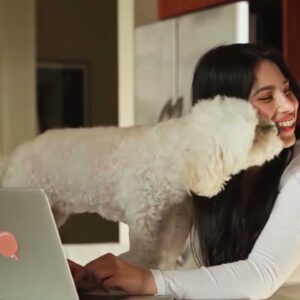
column 139, row 175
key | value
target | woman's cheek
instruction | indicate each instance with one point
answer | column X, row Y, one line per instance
column 266, row 110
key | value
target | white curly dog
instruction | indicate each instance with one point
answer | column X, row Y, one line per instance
column 138, row 175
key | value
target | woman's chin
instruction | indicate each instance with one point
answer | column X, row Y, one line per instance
column 288, row 141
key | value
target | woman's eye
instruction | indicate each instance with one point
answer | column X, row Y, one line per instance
column 266, row 98
column 287, row 92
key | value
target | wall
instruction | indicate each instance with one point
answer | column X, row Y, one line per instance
column 17, row 73
column 131, row 14
column 85, row 31
column 75, row 30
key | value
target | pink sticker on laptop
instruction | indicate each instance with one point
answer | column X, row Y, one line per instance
column 8, row 245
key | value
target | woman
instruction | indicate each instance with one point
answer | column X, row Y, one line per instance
column 249, row 234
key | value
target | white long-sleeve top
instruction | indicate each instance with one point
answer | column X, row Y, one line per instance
column 273, row 261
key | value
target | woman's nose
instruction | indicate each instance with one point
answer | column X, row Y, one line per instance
column 283, row 102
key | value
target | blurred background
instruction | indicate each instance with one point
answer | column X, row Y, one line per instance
column 78, row 63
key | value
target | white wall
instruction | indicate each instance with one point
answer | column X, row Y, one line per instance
column 17, row 73
column 131, row 14
column 83, row 31
column 125, row 62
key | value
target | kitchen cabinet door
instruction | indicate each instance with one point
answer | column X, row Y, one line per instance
column 201, row 31
column 153, row 71
column 166, row 54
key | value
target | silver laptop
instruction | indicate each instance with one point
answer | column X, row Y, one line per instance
column 32, row 262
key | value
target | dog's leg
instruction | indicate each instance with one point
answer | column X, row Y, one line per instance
column 174, row 230
column 159, row 245
column 144, row 251
column 142, row 245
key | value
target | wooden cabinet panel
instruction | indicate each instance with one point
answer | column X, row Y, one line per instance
column 171, row 8
column 291, row 34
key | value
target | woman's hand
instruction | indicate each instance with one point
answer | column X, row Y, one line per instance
column 79, row 275
column 110, row 272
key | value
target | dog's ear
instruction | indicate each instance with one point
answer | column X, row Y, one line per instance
column 171, row 111
column 204, row 179
column 166, row 111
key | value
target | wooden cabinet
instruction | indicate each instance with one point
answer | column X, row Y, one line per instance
column 172, row 8
column 291, row 34
column 277, row 22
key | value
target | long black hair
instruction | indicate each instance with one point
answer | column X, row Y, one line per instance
column 228, row 224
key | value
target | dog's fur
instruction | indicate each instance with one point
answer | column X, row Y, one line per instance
column 138, row 175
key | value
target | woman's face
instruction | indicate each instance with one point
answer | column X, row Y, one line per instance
column 272, row 97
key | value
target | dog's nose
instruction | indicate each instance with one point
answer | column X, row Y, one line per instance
column 266, row 124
